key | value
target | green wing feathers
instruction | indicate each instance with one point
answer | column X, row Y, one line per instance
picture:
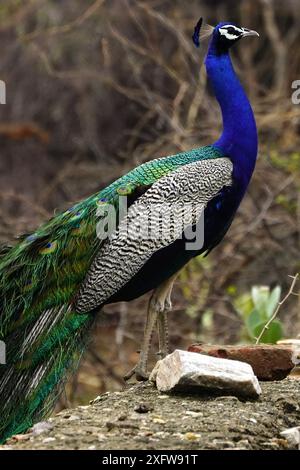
column 39, row 278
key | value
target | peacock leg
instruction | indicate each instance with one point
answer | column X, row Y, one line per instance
column 140, row 370
column 162, row 321
column 163, row 334
column 159, row 304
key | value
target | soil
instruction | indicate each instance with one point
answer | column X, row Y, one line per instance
column 142, row 418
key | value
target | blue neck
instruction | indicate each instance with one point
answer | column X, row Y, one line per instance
column 239, row 137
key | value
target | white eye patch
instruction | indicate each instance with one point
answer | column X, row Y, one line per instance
column 232, row 35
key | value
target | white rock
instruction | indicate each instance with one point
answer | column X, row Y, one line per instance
column 42, row 426
column 292, row 435
column 183, row 370
column 49, row 439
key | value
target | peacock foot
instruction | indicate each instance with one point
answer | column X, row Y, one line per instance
column 140, row 373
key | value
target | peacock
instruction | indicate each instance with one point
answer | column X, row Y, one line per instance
column 53, row 282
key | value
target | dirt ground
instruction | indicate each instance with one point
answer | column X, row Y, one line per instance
column 142, row 418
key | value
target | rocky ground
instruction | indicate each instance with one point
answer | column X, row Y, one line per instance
column 142, row 418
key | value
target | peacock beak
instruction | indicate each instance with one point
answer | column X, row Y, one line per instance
column 249, row 32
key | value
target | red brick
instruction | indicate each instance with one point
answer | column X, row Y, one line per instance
column 269, row 362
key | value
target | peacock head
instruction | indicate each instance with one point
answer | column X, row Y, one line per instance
column 227, row 34
column 224, row 35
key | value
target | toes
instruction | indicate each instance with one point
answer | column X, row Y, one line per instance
column 139, row 373
column 129, row 374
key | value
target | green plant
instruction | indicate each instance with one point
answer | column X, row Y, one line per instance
column 256, row 309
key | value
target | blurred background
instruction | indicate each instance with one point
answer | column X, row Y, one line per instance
column 95, row 88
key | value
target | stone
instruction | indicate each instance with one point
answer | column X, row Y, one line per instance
column 143, row 408
column 292, row 435
column 183, row 371
column 191, row 436
column 269, row 362
column 41, row 427
column 49, row 439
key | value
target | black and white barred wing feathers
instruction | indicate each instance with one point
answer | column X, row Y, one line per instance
column 158, row 218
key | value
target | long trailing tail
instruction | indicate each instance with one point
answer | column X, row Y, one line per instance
column 30, row 387
column 44, row 336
